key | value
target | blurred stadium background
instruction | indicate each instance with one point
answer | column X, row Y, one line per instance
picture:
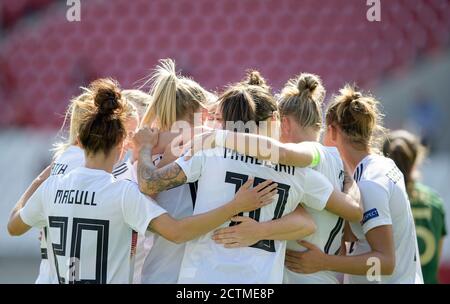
column 44, row 59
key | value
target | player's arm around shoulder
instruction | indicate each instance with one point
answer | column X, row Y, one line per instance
column 189, row 228
column 151, row 179
column 294, row 226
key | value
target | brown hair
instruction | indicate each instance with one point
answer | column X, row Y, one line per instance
column 302, row 98
column 254, row 78
column 407, row 152
column 358, row 116
column 103, row 128
column 173, row 97
column 246, row 103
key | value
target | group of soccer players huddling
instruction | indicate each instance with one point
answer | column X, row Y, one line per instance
column 182, row 185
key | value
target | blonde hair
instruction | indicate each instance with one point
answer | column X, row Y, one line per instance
column 302, row 98
column 173, row 97
column 139, row 99
column 76, row 111
column 358, row 116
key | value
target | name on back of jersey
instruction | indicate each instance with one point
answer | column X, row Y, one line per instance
column 231, row 154
column 76, row 197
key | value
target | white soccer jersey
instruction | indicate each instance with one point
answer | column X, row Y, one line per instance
column 128, row 171
column 386, row 202
column 71, row 158
column 162, row 264
column 330, row 227
column 90, row 218
column 220, row 172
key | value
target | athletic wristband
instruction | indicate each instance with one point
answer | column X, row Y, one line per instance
column 221, row 137
column 316, row 157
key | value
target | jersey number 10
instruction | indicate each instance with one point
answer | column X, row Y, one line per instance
column 283, row 193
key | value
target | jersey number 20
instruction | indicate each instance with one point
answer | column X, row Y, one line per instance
column 79, row 225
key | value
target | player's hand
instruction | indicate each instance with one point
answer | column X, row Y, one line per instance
column 145, row 136
column 203, row 141
column 243, row 235
column 247, row 199
column 309, row 261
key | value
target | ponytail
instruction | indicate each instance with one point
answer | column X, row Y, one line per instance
column 103, row 126
column 173, row 97
column 163, row 109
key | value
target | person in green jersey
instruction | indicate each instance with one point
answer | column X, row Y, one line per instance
column 427, row 206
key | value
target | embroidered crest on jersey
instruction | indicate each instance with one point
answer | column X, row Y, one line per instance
column 372, row 213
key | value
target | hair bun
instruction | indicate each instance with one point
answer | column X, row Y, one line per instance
column 106, row 96
column 356, row 95
column 255, row 78
column 308, row 82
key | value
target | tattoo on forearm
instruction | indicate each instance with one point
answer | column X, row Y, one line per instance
column 153, row 180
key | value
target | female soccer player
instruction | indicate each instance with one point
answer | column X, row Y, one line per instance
column 427, row 207
column 386, row 249
column 68, row 156
column 220, row 172
column 91, row 216
column 176, row 99
column 300, row 106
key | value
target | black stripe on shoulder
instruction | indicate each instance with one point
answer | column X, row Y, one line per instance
column 123, row 165
column 355, row 175
column 193, row 189
column 117, row 173
column 358, row 172
column 361, row 172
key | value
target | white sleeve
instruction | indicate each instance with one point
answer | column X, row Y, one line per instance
column 192, row 168
column 32, row 213
column 138, row 209
column 317, row 190
column 375, row 201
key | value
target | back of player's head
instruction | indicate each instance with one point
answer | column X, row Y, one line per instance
column 79, row 106
column 103, row 127
column 302, row 98
column 358, row 117
column 254, row 78
column 139, row 99
column 173, row 97
column 406, row 151
column 245, row 103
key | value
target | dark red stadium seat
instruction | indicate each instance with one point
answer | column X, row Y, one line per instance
column 213, row 41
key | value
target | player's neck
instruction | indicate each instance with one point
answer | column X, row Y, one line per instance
column 352, row 157
column 304, row 134
column 100, row 162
